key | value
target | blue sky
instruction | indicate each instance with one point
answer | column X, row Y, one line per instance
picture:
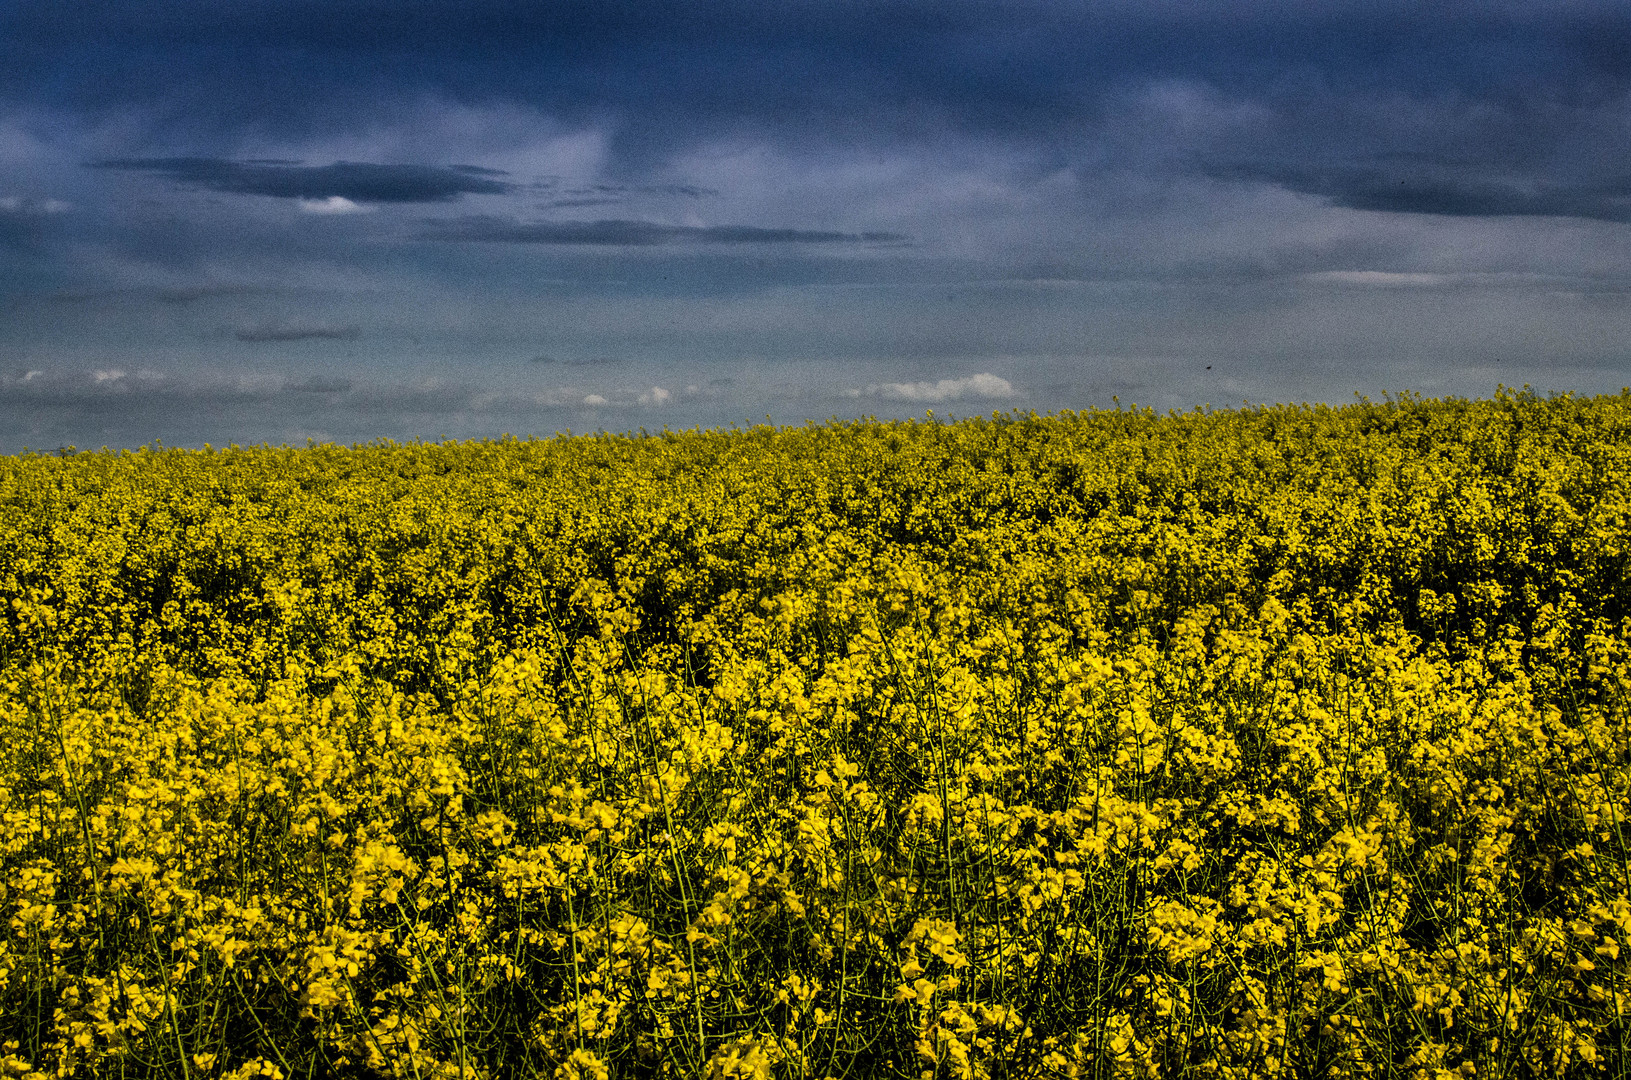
column 274, row 221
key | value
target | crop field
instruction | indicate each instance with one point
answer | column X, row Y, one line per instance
column 1275, row 742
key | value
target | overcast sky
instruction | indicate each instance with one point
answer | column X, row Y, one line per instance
column 346, row 220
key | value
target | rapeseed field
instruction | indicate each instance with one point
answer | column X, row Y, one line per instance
column 1278, row 742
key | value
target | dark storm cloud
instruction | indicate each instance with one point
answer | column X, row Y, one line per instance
column 1408, row 191
column 613, row 233
column 357, row 181
column 829, row 69
column 1048, row 80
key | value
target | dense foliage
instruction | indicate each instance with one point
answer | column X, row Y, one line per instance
column 1281, row 742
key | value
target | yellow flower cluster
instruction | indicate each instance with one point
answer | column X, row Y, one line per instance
column 1280, row 742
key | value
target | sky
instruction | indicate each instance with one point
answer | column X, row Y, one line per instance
column 289, row 220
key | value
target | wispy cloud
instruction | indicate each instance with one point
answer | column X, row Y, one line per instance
column 17, row 204
column 620, row 233
column 1386, row 279
column 196, row 388
column 319, row 186
column 118, row 378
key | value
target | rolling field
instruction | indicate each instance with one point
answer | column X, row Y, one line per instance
column 1279, row 742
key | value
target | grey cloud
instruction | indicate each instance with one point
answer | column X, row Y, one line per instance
column 192, row 293
column 114, row 384
column 1438, row 191
column 576, row 361
column 620, row 233
column 360, row 182
column 317, row 385
column 279, row 332
column 449, row 398
column 179, row 296
column 689, row 191
column 613, row 194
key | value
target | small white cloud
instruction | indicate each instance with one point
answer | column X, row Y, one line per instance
column 655, row 396
column 32, row 375
column 594, row 399
column 55, row 206
column 983, row 385
column 10, row 203
column 334, row 204
column 111, row 375
column 1385, row 279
